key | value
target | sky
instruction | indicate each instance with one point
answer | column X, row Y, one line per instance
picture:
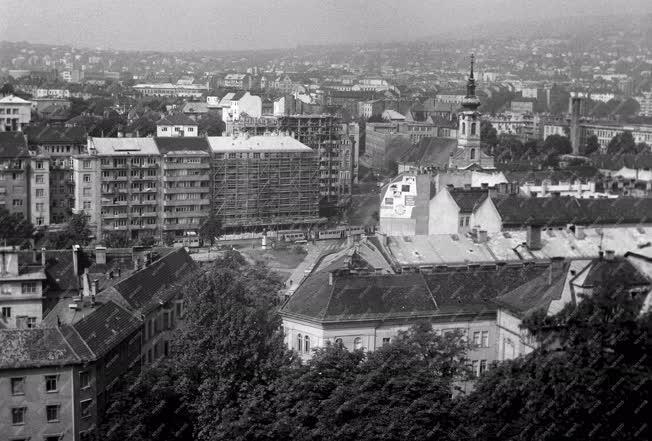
column 175, row 25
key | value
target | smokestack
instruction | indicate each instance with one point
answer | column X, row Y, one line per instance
column 576, row 103
column 579, row 232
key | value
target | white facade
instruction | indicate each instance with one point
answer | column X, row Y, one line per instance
column 248, row 104
column 173, row 90
column 21, row 292
column 15, row 113
column 52, row 93
column 176, row 130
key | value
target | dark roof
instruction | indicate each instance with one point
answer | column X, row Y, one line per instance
column 616, row 162
column 13, row 145
column 106, row 327
column 178, row 119
column 472, row 289
column 554, row 176
column 239, row 94
column 536, row 294
column 430, row 152
column 138, row 289
column 601, row 270
column 519, row 211
column 55, row 135
column 59, row 268
column 34, row 347
column 183, row 143
column 468, row 200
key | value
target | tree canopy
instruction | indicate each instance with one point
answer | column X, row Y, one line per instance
column 210, row 229
column 622, row 143
column 14, row 228
column 76, row 232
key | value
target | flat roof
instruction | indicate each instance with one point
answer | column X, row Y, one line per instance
column 270, row 143
column 124, row 146
column 508, row 246
column 171, row 86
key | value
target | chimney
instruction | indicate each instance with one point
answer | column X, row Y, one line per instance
column 482, row 236
column 556, row 265
column 484, row 186
column 43, row 257
column 579, row 232
column 600, row 255
column 94, row 288
column 75, row 259
column 100, row 255
column 467, row 186
column 609, row 255
column 330, row 278
column 533, row 237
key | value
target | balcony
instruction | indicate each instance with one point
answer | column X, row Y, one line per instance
column 186, row 202
column 189, row 178
column 186, row 190
column 185, row 166
column 185, row 214
column 189, row 226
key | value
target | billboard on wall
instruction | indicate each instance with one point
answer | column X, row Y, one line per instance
column 399, row 198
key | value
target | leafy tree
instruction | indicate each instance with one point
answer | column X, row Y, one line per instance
column 7, row 89
column 230, row 343
column 76, row 232
column 622, row 143
column 509, row 148
column 210, row 229
column 592, row 145
column 589, row 380
column 147, row 241
column 488, row 134
column 557, row 145
column 14, row 228
column 149, row 408
column 117, row 239
column 211, row 124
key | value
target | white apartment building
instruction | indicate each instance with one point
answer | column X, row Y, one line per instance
column 15, row 113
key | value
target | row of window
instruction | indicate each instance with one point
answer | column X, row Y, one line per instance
column 52, row 412
column 25, row 288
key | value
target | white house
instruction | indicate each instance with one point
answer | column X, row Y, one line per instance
column 15, row 113
column 242, row 103
column 176, row 125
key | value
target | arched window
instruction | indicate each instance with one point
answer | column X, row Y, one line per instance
column 463, row 128
column 472, row 153
column 307, row 345
column 473, row 128
column 299, row 342
column 357, row 343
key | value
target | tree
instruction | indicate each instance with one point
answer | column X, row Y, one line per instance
column 622, row 143
column 230, row 342
column 14, row 228
column 147, row 241
column 76, row 232
column 592, row 145
column 588, row 380
column 557, row 145
column 149, row 407
column 117, row 239
column 210, row 229
column 211, row 124
column 488, row 134
column 7, row 89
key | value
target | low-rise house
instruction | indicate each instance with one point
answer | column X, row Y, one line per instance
column 15, row 113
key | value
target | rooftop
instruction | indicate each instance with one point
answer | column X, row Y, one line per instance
column 176, row 119
column 269, row 143
column 123, row 146
column 13, row 145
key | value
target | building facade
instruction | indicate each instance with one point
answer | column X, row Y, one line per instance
column 15, row 113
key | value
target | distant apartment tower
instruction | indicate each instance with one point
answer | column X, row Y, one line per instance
column 646, row 104
column 264, row 181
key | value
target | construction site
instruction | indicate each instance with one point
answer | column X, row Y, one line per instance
column 324, row 135
column 263, row 182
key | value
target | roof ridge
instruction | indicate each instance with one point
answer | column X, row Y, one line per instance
column 63, row 337
column 83, row 340
column 432, row 296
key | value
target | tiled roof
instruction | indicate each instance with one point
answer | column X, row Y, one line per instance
column 182, row 143
column 55, row 135
column 515, row 210
column 34, row 347
column 536, row 294
column 138, row 289
column 554, row 176
column 105, row 327
column 13, row 145
column 430, row 152
column 468, row 200
column 195, row 107
column 619, row 268
column 177, row 119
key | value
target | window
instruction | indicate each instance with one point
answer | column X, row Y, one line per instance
column 50, row 383
column 86, row 163
column 87, row 178
column 357, row 343
column 6, row 312
column 461, row 221
column 39, row 164
column 473, row 125
column 18, row 415
column 18, row 386
column 31, row 322
column 463, row 128
column 307, row 345
column 52, row 413
column 472, row 153
column 87, row 205
column 164, row 129
column 40, row 192
column 405, row 188
column 386, row 340
column 299, row 342
column 166, row 348
column 85, row 407
column 476, row 338
column 389, row 201
column 84, row 379
column 29, row 288
column 483, row 366
column 39, row 206
column 485, row 339
column 17, row 202
column 474, row 367
column 39, row 179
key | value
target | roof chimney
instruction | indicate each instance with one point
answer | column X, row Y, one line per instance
column 330, row 278
column 482, row 236
column 75, row 259
column 533, row 237
column 100, row 255
column 43, row 257
column 609, row 255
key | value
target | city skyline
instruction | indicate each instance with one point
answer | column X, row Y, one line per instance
column 203, row 25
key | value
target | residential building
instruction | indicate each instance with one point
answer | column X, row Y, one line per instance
column 176, row 124
column 15, row 113
column 195, row 109
column 15, row 162
column 21, row 291
column 185, row 174
column 243, row 104
column 39, row 191
column 264, row 181
column 646, row 103
column 172, row 90
column 238, row 81
column 58, row 146
column 118, row 186
column 525, row 126
column 52, row 93
column 367, row 109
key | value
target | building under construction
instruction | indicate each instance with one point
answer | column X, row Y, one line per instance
column 322, row 133
column 264, row 181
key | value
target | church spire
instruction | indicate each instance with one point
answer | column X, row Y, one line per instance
column 471, row 102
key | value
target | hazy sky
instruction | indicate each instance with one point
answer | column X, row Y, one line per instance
column 256, row 24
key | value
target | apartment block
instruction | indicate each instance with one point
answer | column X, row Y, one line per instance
column 21, row 291
column 15, row 113
column 14, row 173
column 39, row 191
column 261, row 181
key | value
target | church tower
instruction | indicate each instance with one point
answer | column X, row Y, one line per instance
column 468, row 150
